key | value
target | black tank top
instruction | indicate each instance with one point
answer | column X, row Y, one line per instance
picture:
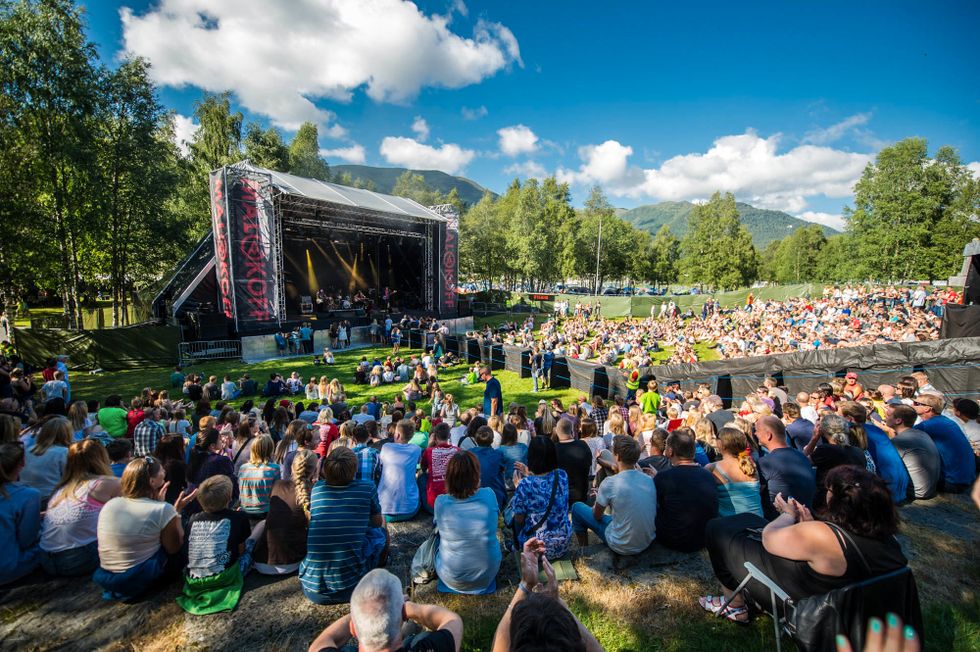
column 865, row 558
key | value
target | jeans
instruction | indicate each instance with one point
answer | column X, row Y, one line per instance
column 584, row 520
column 132, row 583
column 534, row 375
column 73, row 562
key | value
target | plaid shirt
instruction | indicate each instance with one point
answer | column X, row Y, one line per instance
column 368, row 463
column 599, row 415
column 145, row 437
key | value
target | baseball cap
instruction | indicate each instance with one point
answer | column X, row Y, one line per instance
column 542, row 402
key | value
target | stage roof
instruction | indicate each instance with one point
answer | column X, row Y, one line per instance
column 333, row 193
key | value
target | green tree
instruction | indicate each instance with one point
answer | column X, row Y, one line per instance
column 481, row 247
column 304, row 154
column 49, row 80
column 413, row 186
column 265, row 148
column 717, row 250
column 913, row 214
column 838, row 260
column 218, row 140
column 798, row 255
column 664, row 256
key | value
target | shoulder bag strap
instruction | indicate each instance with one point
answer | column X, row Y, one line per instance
column 841, row 532
column 238, row 454
column 551, row 502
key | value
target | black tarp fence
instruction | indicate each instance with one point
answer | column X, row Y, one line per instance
column 518, row 360
column 960, row 321
column 953, row 366
column 110, row 349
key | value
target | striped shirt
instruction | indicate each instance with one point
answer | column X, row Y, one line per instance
column 339, row 521
column 255, row 486
column 368, row 463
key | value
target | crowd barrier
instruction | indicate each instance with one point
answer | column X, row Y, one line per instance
column 953, row 367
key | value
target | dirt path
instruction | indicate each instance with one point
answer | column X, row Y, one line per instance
column 941, row 537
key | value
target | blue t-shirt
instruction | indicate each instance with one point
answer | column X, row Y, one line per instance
column 305, row 333
column 119, row 467
column 799, row 433
column 787, row 471
column 491, row 471
column 20, row 531
column 954, row 448
column 888, row 462
column 469, row 555
column 514, row 453
column 339, row 521
column 491, row 392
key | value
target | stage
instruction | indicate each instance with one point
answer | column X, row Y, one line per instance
column 285, row 250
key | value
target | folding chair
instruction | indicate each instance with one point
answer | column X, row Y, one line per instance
column 813, row 622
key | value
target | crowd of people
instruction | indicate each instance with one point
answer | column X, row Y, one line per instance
column 840, row 317
column 174, row 489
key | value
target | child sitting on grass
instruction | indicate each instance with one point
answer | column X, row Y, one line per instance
column 120, row 454
column 219, row 551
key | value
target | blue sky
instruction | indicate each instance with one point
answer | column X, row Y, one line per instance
column 782, row 103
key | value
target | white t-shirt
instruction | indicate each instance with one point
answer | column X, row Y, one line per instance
column 455, row 434
column 632, row 499
column 129, row 531
column 398, row 491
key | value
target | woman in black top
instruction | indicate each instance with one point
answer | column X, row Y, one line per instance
column 851, row 540
column 831, row 447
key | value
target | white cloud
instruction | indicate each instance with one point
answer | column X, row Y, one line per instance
column 826, row 219
column 460, row 7
column 516, row 140
column 279, row 57
column 974, row 167
column 409, row 153
column 421, row 128
column 747, row 165
column 474, row 114
column 353, row 154
column 605, row 163
column 836, row 131
column 184, row 130
column 527, row 170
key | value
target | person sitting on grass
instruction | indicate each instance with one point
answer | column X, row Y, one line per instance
column 435, row 461
column 347, row 536
column 686, row 496
column 256, row 477
column 468, row 556
column 380, row 616
column 537, row 618
column 736, row 474
column 398, row 490
column 631, row 495
column 283, row 547
column 68, row 532
column 20, row 517
column 219, row 549
column 851, row 540
column 206, row 461
column 140, row 535
column 120, row 454
column 491, row 464
column 540, row 504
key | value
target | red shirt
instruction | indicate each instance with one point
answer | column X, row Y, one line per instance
column 48, row 373
column 133, row 418
column 435, row 460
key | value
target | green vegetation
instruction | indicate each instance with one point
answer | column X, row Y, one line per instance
column 764, row 225
column 386, row 179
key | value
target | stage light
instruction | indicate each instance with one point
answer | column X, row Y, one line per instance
column 311, row 274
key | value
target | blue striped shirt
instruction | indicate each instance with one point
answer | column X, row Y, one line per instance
column 367, row 463
column 339, row 520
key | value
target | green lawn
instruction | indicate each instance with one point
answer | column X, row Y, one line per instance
column 129, row 383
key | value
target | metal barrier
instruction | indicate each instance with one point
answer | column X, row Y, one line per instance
column 190, row 352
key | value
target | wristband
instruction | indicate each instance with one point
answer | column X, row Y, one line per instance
column 523, row 587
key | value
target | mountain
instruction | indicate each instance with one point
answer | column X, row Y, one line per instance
column 764, row 225
column 384, row 180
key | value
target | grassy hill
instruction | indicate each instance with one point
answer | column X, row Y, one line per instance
column 764, row 225
column 384, row 180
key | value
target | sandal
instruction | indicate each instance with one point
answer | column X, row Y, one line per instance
column 735, row 614
column 711, row 603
